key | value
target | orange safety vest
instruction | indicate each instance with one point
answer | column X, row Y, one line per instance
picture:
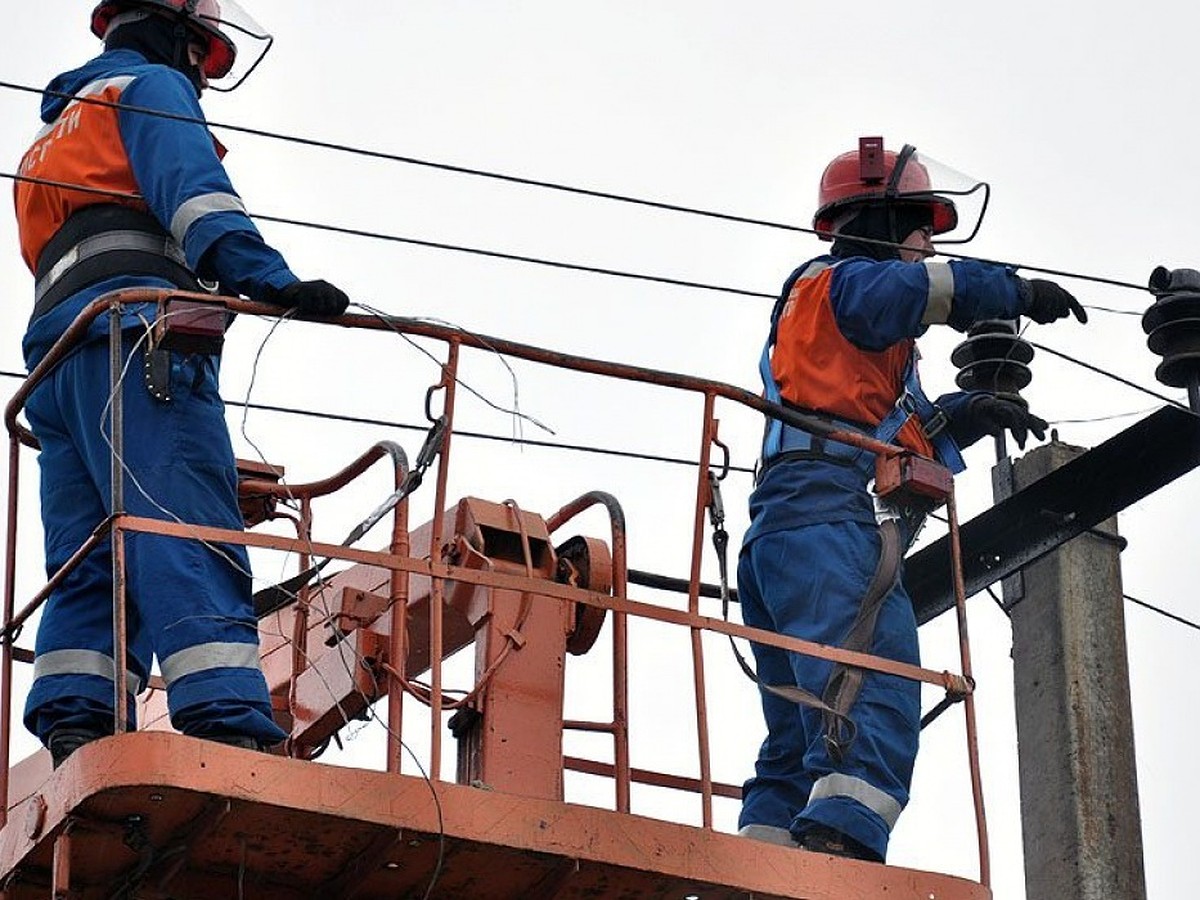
column 82, row 146
column 816, row 368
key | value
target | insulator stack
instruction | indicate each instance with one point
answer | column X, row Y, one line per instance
column 993, row 358
column 1172, row 326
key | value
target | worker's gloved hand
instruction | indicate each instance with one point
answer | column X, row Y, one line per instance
column 317, row 298
column 993, row 414
column 1044, row 301
column 1165, row 281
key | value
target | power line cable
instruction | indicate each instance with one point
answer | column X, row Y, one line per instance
column 475, row 251
column 532, row 182
column 475, row 435
column 1107, row 374
column 415, row 161
column 1162, row 612
column 649, row 457
column 1087, row 420
column 436, row 245
column 515, row 257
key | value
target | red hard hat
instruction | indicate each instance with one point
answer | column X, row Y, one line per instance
column 869, row 174
column 203, row 15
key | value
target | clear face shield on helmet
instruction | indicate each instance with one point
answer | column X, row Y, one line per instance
column 959, row 201
column 240, row 42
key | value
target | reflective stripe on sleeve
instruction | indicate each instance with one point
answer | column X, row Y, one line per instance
column 203, row 657
column 838, row 785
column 941, row 293
column 199, row 207
column 81, row 662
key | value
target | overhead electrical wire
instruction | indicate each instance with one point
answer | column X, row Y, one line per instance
column 1088, row 420
column 493, row 254
column 475, row 435
column 644, row 578
column 1099, row 371
column 1007, row 610
column 420, row 242
column 1162, row 612
column 525, row 181
column 370, row 712
column 412, row 160
column 521, row 257
column 591, row 193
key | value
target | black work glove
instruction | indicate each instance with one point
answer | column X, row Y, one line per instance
column 1045, row 302
column 993, row 414
column 317, row 298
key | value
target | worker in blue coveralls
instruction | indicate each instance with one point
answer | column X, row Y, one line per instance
column 841, row 347
column 124, row 187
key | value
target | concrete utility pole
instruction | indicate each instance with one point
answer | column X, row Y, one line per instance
column 1079, row 798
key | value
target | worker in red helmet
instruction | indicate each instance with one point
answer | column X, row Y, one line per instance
column 841, row 347
column 122, row 188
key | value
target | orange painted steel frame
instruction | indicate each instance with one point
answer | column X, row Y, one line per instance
column 518, row 585
column 377, row 837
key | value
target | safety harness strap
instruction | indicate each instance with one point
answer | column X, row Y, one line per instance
column 791, row 692
column 913, row 402
column 781, row 440
column 104, row 241
column 845, row 681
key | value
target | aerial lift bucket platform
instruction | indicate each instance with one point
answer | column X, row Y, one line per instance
column 156, row 814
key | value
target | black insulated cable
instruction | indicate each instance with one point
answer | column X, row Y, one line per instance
column 538, row 183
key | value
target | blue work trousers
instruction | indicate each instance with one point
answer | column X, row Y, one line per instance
column 188, row 603
column 808, row 583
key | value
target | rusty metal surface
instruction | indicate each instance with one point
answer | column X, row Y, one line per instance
column 257, row 505
column 189, row 819
column 549, row 589
column 363, row 837
column 646, row 776
column 968, row 700
column 455, row 339
column 619, row 726
column 585, row 562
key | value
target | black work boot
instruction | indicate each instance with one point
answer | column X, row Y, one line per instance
column 823, row 839
column 62, row 742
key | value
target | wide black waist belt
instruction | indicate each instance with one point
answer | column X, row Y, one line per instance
column 101, row 242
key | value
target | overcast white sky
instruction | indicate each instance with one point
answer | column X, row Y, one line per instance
column 1081, row 116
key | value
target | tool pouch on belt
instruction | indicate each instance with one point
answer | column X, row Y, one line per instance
column 181, row 325
column 910, row 487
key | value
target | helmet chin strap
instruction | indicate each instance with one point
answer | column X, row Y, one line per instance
column 181, row 60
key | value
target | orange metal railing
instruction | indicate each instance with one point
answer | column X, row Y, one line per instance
column 401, row 565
